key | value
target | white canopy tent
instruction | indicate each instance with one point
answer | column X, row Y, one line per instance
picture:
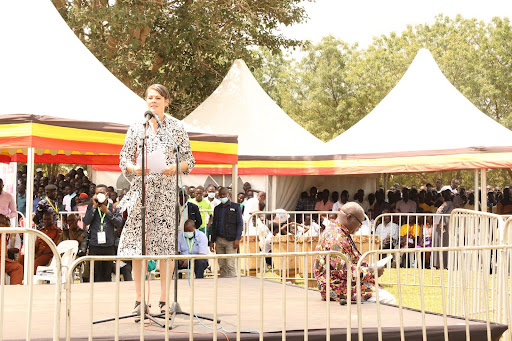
column 267, row 137
column 457, row 135
column 47, row 74
column 51, row 84
column 50, row 72
column 424, row 101
column 240, row 106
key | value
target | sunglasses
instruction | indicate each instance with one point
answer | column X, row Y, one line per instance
column 356, row 218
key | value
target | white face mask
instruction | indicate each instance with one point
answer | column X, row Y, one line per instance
column 101, row 198
column 211, row 195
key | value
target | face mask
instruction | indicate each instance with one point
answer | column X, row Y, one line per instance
column 188, row 235
column 211, row 195
column 224, row 200
column 101, row 198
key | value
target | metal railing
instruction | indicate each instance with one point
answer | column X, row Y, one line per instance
column 56, row 314
column 257, row 237
column 237, row 257
column 458, row 303
column 476, row 285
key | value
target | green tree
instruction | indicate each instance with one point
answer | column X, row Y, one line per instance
column 335, row 85
column 184, row 44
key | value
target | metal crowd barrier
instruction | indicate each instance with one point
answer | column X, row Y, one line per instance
column 256, row 238
column 274, row 232
column 457, row 300
column 428, row 230
column 478, row 284
column 238, row 257
column 58, row 286
column 485, row 311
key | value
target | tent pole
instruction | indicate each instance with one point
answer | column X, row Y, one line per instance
column 274, row 193
column 267, row 187
column 234, row 182
column 483, row 182
column 28, row 240
column 477, row 194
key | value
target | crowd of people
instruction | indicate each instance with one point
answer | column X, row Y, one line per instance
column 71, row 207
column 408, row 229
column 403, row 199
column 212, row 220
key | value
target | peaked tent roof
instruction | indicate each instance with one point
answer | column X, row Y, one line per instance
column 423, row 100
column 57, row 97
column 240, row 106
column 51, row 72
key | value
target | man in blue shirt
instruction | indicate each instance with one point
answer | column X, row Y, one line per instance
column 226, row 232
column 21, row 199
column 193, row 242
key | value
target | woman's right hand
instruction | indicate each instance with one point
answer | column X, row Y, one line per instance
column 138, row 170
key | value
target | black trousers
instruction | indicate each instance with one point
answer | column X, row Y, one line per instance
column 102, row 270
column 199, row 266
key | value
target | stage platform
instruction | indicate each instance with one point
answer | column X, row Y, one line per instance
column 16, row 312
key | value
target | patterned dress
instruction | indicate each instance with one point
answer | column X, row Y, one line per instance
column 336, row 237
column 160, row 189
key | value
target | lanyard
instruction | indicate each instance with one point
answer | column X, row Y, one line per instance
column 54, row 207
column 102, row 217
column 190, row 243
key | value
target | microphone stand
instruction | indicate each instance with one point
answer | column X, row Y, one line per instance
column 175, row 308
column 143, row 305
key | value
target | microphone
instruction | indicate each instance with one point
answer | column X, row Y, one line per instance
column 149, row 114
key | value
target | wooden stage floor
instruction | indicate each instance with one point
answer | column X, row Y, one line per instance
column 15, row 313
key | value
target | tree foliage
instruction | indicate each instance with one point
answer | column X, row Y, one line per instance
column 335, row 85
column 188, row 45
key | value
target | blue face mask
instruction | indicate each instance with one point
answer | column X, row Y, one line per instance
column 211, row 195
column 224, row 200
column 188, row 235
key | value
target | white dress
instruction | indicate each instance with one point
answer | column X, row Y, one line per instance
column 160, row 189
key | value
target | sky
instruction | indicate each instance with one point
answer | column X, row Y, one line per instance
column 361, row 20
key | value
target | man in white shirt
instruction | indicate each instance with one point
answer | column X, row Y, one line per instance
column 453, row 187
column 253, row 205
column 343, row 200
column 388, row 232
column 67, row 201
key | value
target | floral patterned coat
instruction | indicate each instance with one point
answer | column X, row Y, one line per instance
column 336, row 237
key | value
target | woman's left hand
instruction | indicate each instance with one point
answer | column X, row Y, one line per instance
column 170, row 170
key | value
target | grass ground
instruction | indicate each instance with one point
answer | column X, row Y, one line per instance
column 410, row 289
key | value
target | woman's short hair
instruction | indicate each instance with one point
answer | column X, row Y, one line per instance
column 162, row 90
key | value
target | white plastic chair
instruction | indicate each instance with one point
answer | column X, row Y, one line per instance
column 67, row 250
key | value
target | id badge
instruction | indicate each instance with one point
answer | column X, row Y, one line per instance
column 102, row 237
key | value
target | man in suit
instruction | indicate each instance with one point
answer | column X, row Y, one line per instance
column 227, row 228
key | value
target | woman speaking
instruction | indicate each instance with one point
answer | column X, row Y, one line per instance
column 167, row 136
